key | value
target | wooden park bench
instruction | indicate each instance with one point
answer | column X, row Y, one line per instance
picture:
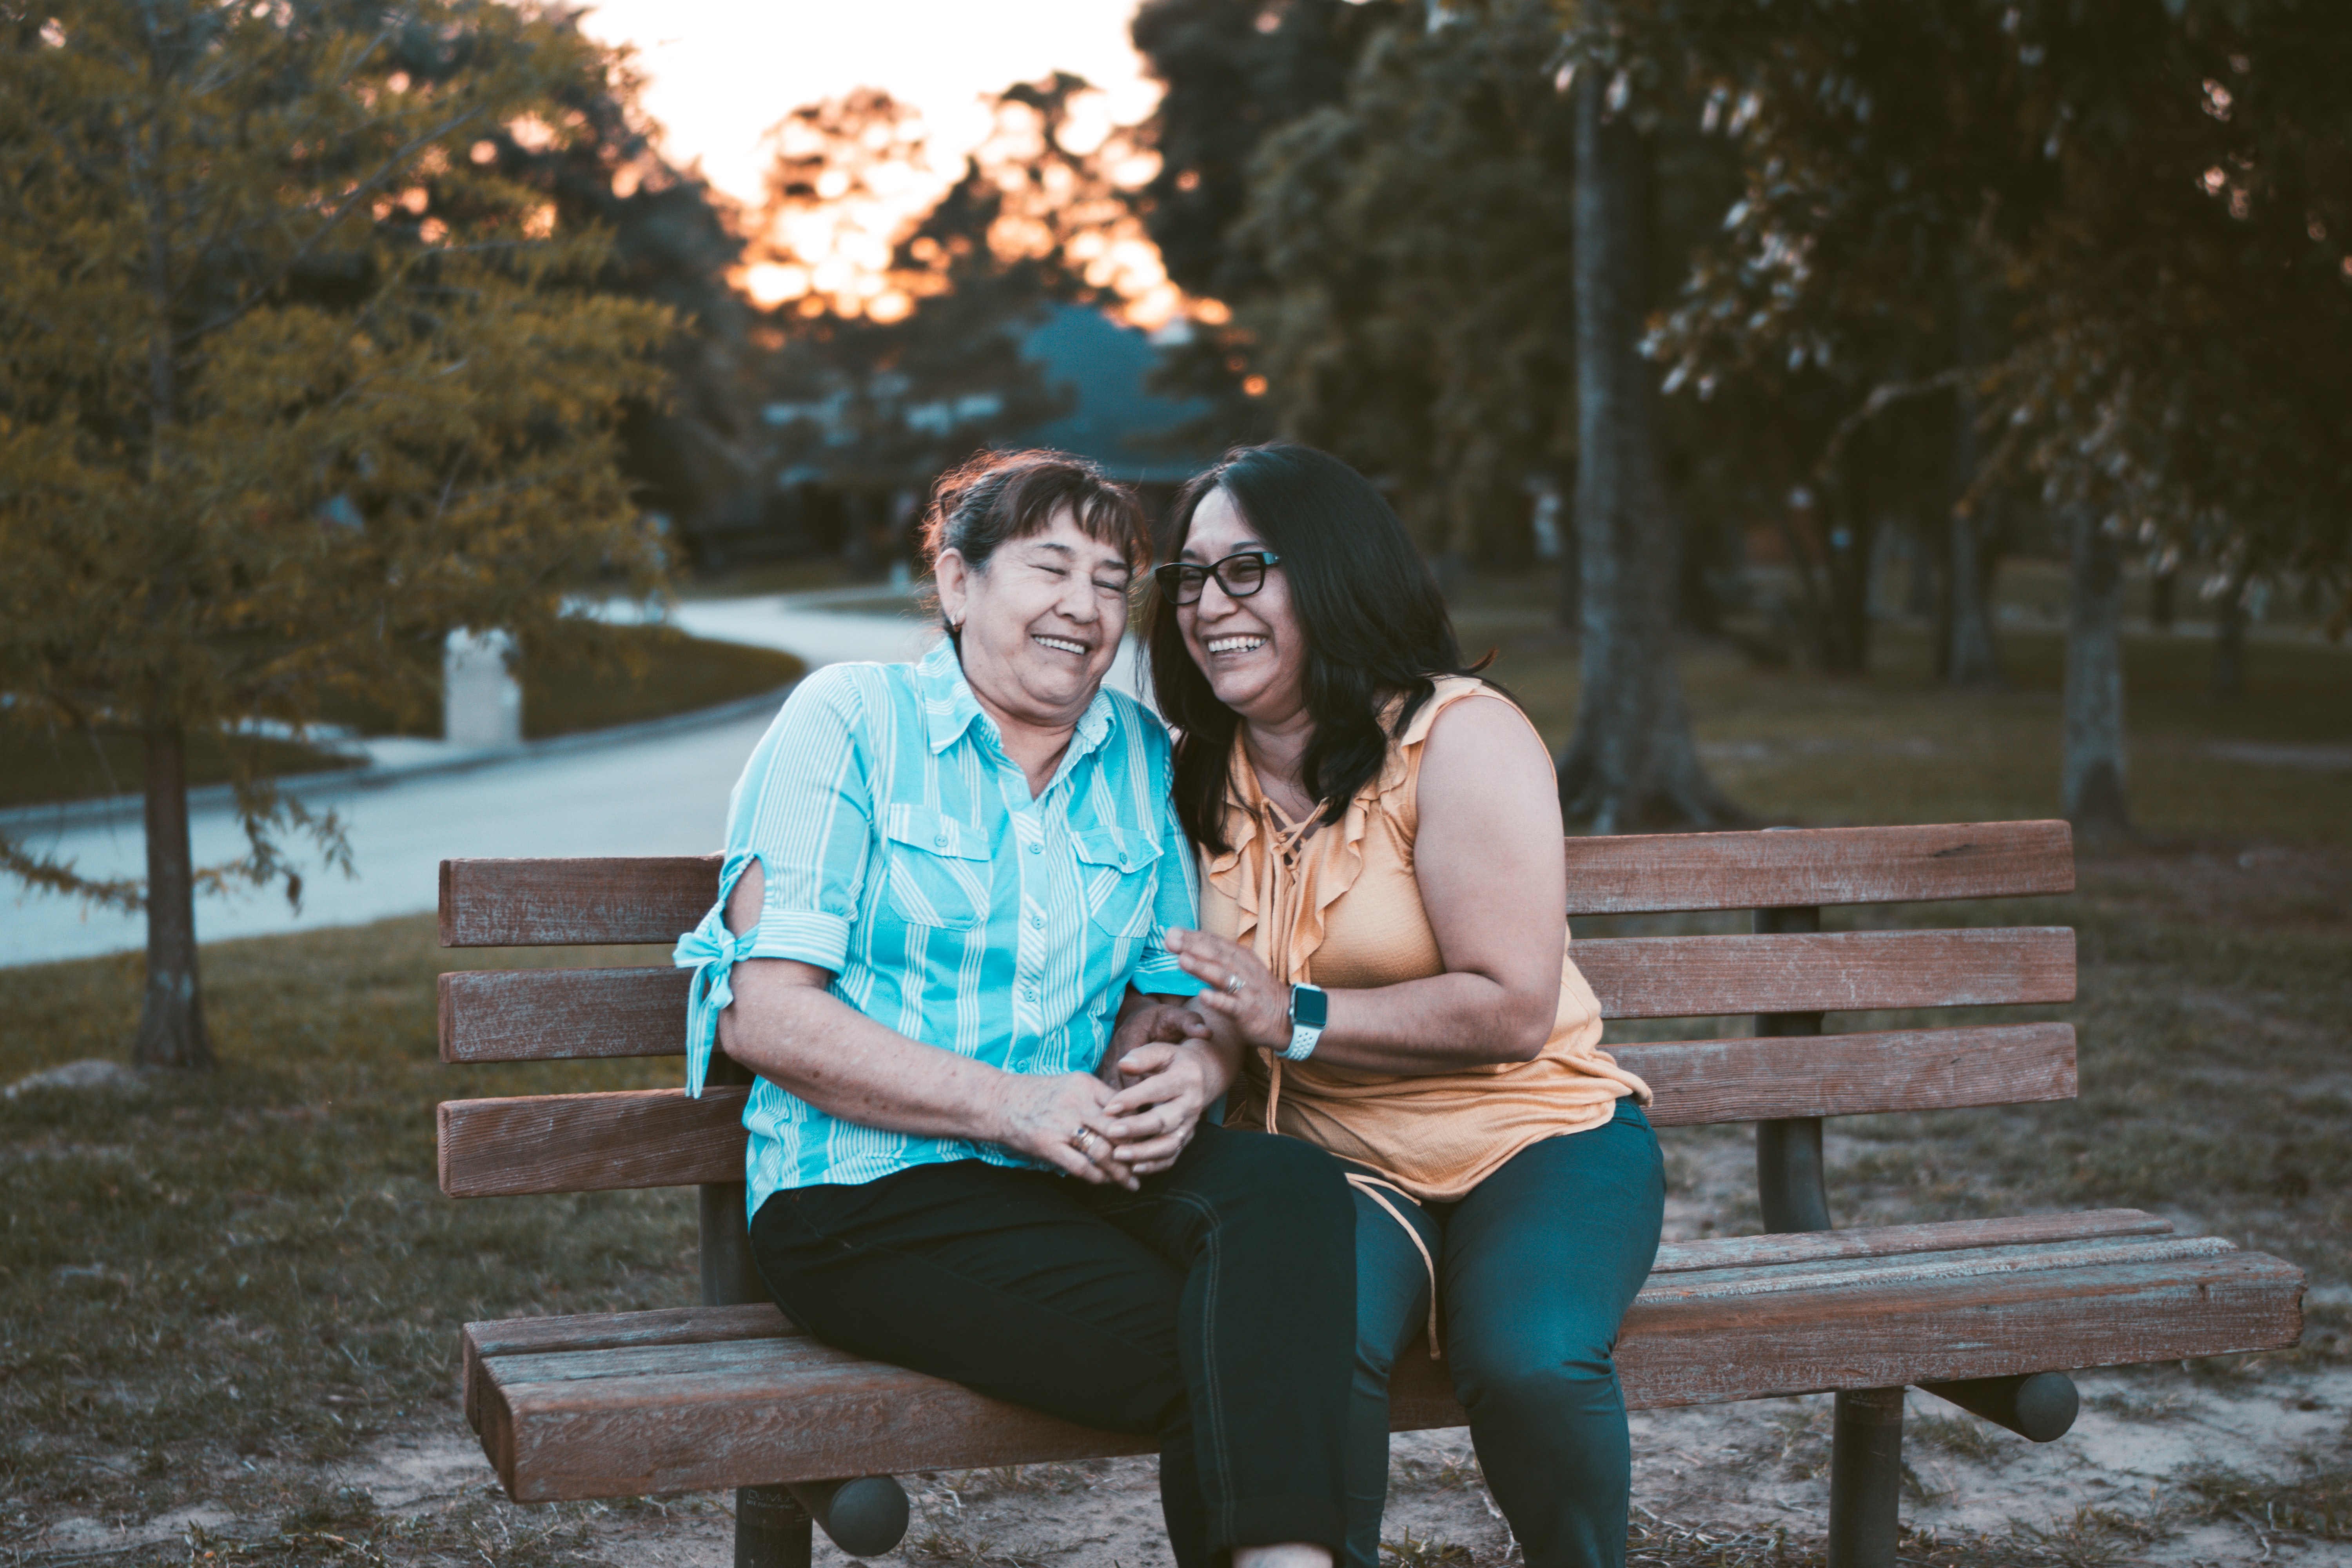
column 1988, row 1313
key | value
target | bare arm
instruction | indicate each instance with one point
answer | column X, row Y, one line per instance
column 1492, row 870
column 785, row 1026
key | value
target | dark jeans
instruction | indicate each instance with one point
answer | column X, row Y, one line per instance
column 1538, row 1265
column 1214, row 1310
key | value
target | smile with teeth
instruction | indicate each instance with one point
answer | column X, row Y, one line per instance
column 1234, row 645
column 1060, row 645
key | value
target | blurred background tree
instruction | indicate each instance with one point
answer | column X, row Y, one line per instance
column 297, row 372
column 2108, row 238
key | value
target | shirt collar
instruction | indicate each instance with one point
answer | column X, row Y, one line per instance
column 950, row 708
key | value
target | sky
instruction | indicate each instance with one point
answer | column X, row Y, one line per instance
column 723, row 72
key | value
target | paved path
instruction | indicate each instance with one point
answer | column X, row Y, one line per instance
column 652, row 790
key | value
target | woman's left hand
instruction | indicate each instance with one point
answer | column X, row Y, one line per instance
column 1168, row 1086
column 1241, row 989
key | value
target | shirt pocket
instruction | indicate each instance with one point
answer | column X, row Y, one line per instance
column 1119, row 875
column 938, row 870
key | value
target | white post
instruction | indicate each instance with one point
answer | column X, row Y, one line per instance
column 481, row 702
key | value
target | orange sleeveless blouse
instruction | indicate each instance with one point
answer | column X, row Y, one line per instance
column 1343, row 910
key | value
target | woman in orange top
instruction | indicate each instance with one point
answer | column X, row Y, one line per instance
column 1382, row 920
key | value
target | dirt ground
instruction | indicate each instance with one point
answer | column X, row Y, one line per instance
column 2166, row 1466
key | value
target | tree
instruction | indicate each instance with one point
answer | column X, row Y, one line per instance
column 1631, row 761
column 293, row 377
column 2161, row 194
column 1417, row 309
column 689, row 447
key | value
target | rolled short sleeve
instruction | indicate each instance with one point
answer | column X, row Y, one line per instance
column 1176, row 902
column 806, row 807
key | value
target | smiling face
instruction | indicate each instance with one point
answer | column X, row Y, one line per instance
column 1252, row 649
column 1041, row 622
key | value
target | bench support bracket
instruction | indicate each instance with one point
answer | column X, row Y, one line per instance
column 771, row 1529
column 1866, row 1430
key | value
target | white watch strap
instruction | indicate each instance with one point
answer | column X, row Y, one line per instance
column 1302, row 1043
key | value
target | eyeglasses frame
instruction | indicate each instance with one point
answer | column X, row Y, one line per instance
column 1266, row 559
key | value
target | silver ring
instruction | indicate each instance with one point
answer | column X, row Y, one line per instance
column 1233, row 985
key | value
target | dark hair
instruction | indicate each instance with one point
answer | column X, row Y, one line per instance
column 994, row 498
column 1374, row 623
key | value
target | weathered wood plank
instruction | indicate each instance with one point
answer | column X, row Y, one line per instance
column 591, row 1142
column 535, row 1015
column 659, row 1138
column 648, row 898
column 694, row 1417
column 546, row 1014
column 574, row 902
column 1668, row 871
column 1838, row 972
column 1896, row 1240
column 584, row 1331
column 1749, row 1079
column 1713, row 1258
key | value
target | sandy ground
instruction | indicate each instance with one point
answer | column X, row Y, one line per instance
column 2112, row 1491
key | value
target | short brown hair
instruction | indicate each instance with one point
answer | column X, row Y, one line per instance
column 997, row 497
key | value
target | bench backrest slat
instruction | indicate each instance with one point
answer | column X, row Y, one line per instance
column 626, row 900
column 524, row 1015
column 659, row 1138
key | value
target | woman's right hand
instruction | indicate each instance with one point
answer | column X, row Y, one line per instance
column 1061, row 1120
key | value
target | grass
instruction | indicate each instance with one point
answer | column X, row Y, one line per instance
column 646, row 672
column 222, row 1288
column 223, row 1282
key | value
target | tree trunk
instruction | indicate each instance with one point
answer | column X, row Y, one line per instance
column 2092, row 784
column 1631, row 762
column 1969, row 658
column 2229, row 637
column 2163, row 582
column 171, row 1027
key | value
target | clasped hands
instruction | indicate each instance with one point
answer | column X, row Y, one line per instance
column 1158, row 1074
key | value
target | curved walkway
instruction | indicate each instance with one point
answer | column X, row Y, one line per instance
column 652, row 789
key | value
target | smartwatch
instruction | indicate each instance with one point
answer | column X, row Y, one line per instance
column 1310, row 1009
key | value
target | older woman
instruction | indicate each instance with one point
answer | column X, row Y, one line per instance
column 947, row 887
column 1382, row 920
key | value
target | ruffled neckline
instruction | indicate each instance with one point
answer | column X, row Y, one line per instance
column 1330, row 860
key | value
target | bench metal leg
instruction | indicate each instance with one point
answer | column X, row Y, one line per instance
column 1866, row 1479
column 771, row 1529
column 865, row 1516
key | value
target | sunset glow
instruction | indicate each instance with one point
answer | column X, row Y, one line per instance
column 723, row 74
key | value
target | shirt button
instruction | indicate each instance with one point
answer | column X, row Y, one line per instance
column 940, row 842
column 1031, row 992
column 1037, row 923
column 1036, row 849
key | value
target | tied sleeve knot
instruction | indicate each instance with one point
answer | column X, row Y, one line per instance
column 711, row 950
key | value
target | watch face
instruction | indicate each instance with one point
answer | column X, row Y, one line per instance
column 1310, row 1007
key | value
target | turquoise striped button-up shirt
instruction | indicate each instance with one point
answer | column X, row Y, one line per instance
column 902, row 851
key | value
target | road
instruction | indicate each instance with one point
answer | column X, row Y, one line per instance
column 650, row 790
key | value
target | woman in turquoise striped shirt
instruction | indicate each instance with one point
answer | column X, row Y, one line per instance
column 976, row 1147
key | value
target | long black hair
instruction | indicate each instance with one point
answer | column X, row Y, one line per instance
column 1374, row 623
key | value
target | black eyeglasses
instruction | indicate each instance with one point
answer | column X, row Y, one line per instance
column 1240, row 575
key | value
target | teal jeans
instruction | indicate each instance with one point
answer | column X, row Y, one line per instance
column 1537, row 1265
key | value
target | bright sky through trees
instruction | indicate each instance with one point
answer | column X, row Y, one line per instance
column 721, row 73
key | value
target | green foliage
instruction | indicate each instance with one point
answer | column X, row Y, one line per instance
column 291, row 373
column 1415, row 240
column 2150, row 210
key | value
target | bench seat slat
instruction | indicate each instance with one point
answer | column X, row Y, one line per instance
column 663, row 1416
column 659, row 1138
column 559, row 902
column 480, row 1341
column 522, row 1014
